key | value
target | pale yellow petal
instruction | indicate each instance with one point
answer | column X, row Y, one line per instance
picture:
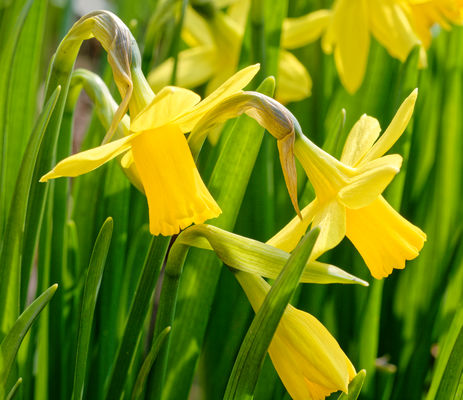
column 365, row 187
column 298, row 32
column 195, row 67
column 392, row 28
column 395, row 128
column 231, row 86
column 331, row 218
column 288, row 238
column 196, row 31
column 88, row 160
column 294, row 82
column 238, row 11
column 352, row 42
column 176, row 194
column 383, row 237
column 361, row 137
column 169, row 103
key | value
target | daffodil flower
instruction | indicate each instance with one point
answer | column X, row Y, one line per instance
column 156, row 145
column 425, row 13
column 214, row 51
column 308, row 359
column 346, row 31
column 348, row 197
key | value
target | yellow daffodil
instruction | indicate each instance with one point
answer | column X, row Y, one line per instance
column 348, row 197
column 425, row 13
column 346, row 30
column 215, row 45
column 309, row 361
column 176, row 194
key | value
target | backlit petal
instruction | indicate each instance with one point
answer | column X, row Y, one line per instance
column 231, row 86
column 195, row 67
column 395, row 128
column 298, row 32
column 369, row 184
column 392, row 28
column 294, row 81
column 176, row 194
column 352, row 42
column 88, row 160
column 288, row 238
column 168, row 104
column 331, row 218
column 383, row 237
column 361, row 137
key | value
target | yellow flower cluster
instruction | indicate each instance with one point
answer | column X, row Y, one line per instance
column 346, row 30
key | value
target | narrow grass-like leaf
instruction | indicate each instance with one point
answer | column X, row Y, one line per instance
column 12, row 23
column 252, row 353
column 14, row 389
column 148, row 363
column 10, row 257
column 91, row 289
column 449, row 369
column 137, row 316
column 11, row 342
column 355, row 386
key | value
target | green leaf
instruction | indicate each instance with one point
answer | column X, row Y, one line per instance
column 355, row 386
column 91, row 289
column 11, row 342
column 252, row 353
column 10, row 257
column 12, row 22
column 137, row 315
column 447, row 380
column 148, row 363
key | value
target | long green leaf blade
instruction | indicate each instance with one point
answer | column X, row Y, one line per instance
column 11, row 342
column 92, row 287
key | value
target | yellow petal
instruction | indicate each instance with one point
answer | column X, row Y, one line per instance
column 352, row 42
column 238, row 11
column 195, row 67
column 361, row 137
column 365, row 187
column 298, row 32
column 231, row 86
column 88, row 160
column 331, row 218
column 196, row 30
column 169, row 103
column 395, row 128
column 392, row 28
column 294, row 82
column 383, row 237
column 176, row 194
column 288, row 238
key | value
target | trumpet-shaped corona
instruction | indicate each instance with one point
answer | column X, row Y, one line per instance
column 348, row 197
column 308, row 359
column 176, row 194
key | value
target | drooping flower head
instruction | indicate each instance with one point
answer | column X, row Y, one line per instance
column 348, row 197
column 157, row 148
column 309, row 361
